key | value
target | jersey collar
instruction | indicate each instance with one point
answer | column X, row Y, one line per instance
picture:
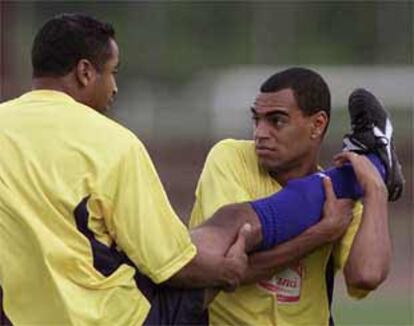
column 48, row 94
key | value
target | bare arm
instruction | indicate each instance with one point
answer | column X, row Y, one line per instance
column 369, row 260
column 336, row 217
column 220, row 231
column 221, row 244
column 215, row 236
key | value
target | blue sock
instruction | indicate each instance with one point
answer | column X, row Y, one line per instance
column 290, row 211
column 299, row 204
column 344, row 179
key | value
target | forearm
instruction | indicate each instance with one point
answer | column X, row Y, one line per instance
column 263, row 265
column 370, row 256
column 212, row 266
column 220, row 231
column 205, row 270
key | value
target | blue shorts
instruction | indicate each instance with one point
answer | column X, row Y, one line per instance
column 4, row 321
column 172, row 306
column 169, row 306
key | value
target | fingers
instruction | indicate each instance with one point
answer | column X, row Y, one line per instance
column 337, row 215
column 368, row 177
column 245, row 230
column 237, row 259
column 239, row 246
column 346, row 203
column 343, row 157
column 360, row 163
column 329, row 191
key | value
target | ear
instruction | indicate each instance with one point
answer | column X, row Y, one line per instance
column 319, row 124
column 85, row 72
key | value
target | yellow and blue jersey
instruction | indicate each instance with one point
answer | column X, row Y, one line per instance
column 299, row 294
column 81, row 208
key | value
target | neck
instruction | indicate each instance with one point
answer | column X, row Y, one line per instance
column 301, row 169
column 60, row 84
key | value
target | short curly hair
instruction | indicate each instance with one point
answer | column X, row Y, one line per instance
column 309, row 88
column 67, row 38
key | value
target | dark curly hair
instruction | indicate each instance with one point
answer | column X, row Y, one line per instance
column 67, row 38
column 310, row 90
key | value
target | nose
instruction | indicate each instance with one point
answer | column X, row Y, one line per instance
column 115, row 90
column 261, row 130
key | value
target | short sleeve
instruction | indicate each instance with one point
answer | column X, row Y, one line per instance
column 222, row 182
column 141, row 220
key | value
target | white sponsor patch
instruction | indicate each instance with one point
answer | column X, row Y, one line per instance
column 285, row 285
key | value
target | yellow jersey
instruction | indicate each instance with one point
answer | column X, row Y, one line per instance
column 81, row 208
column 299, row 294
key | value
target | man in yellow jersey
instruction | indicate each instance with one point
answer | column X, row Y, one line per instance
column 292, row 283
column 85, row 225
column 86, row 230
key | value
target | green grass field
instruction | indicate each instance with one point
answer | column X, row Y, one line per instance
column 376, row 311
column 393, row 302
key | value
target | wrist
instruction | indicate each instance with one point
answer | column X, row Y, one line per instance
column 229, row 278
column 325, row 231
column 376, row 190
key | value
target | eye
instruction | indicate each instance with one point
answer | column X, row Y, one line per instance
column 255, row 119
column 278, row 121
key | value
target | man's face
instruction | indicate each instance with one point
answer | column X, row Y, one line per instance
column 104, row 88
column 282, row 134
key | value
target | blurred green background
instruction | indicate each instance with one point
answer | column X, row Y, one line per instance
column 190, row 70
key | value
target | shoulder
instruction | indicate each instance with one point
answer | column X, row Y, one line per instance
column 234, row 153
column 231, row 148
column 8, row 103
column 234, row 157
column 103, row 122
column 108, row 133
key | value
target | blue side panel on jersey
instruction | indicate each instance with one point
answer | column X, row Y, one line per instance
column 4, row 321
column 169, row 306
column 329, row 279
column 106, row 259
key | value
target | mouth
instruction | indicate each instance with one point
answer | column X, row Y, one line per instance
column 109, row 105
column 264, row 151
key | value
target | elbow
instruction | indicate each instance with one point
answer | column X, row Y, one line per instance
column 368, row 279
column 241, row 210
